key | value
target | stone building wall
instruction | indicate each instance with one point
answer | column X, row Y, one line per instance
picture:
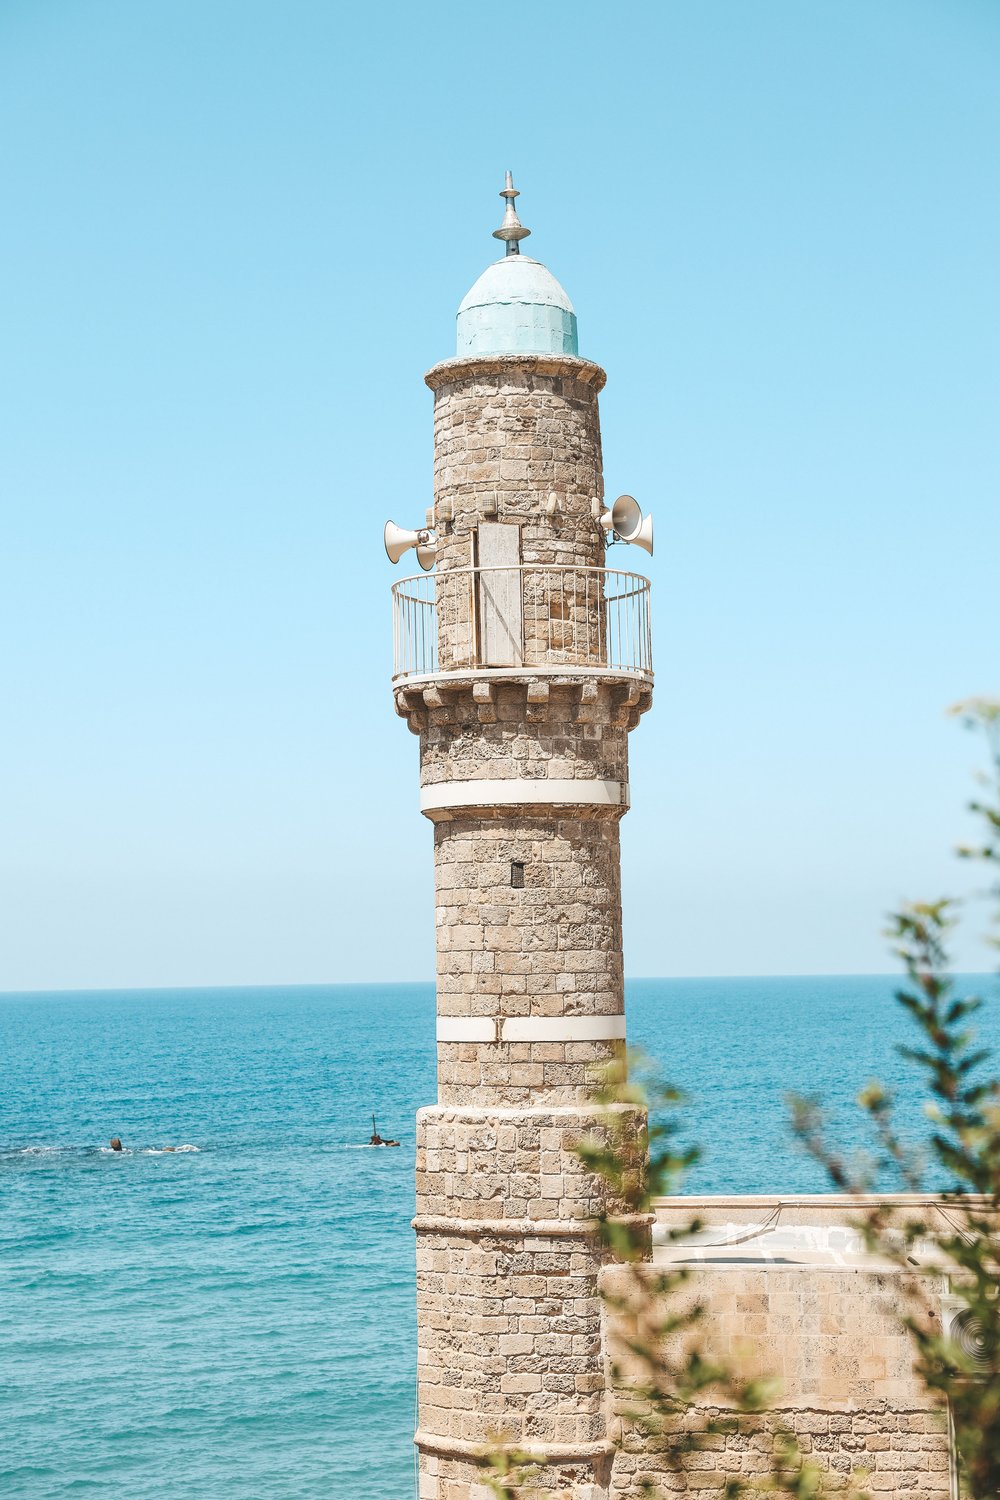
column 552, row 948
column 509, row 1316
column 878, row 1451
column 508, row 1311
column 524, row 730
column 551, row 945
column 509, row 431
column 525, row 779
column 832, row 1338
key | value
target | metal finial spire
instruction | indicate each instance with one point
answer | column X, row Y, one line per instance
column 511, row 229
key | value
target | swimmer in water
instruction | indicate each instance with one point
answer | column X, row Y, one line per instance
column 116, row 1144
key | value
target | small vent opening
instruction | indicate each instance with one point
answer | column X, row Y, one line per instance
column 517, row 874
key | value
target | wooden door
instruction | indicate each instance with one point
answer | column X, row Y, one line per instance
column 499, row 596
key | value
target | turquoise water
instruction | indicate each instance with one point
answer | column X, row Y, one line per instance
column 237, row 1320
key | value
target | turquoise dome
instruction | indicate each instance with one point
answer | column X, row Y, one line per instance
column 516, row 307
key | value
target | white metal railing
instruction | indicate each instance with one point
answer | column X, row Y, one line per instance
column 532, row 617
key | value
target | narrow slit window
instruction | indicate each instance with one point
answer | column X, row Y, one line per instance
column 517, row 874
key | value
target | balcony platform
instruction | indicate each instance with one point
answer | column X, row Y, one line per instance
column 458, row 678
column 521, row 622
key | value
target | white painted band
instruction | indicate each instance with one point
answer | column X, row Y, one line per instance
column 530, row 1028
column 466, row 1029
column 518, row 1228
column 542, row 1453
column 520, row 790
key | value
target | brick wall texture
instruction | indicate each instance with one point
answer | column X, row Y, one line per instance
column 832, row 1339
column 508, row 433
column 509, row 1316
column 879, row 1451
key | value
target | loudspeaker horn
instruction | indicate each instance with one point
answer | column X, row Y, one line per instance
column 643, row 535
column 426, row 554
column 626, row 517
column 628, row 523
column 398, row 540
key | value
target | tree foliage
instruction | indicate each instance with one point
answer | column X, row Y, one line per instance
column 960, row 1161
column 680, row 1396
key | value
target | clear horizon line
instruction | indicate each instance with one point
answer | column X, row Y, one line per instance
column 159, row 989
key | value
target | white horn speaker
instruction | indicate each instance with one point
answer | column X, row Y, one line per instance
column 628, row 523
column 398, row 540
column 643, row 536
column 426, row 554
column 626, row 517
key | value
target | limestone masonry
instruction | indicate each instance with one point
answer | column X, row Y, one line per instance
column 523, row 662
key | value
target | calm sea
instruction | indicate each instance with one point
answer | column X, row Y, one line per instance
column 235, row 1320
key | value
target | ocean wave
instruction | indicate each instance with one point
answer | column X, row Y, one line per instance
column 12, row 1154
column 361, row 1146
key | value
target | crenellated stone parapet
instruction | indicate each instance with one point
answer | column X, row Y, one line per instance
column 576, row 706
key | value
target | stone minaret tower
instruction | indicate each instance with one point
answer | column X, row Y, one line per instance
column 522, row 663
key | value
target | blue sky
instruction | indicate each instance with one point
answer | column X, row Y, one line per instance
column 235, row 235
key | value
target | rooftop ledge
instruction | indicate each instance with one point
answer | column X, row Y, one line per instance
column 556, row 675
column 466, row 367
column 797, row 1232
